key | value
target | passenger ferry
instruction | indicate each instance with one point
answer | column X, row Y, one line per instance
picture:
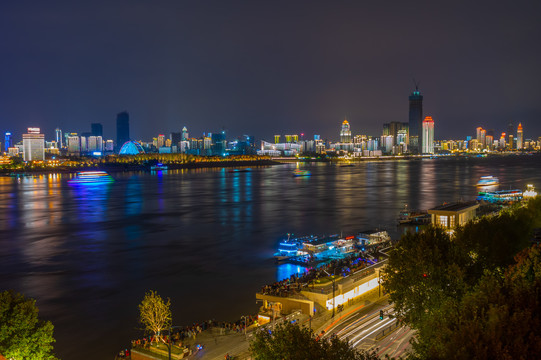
column 501, row 196
column 488, row 181
column 91, row 177
column 321, row 248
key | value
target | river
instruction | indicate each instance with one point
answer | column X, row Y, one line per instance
column 202, row 237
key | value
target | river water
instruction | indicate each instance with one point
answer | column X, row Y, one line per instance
column 203, row 237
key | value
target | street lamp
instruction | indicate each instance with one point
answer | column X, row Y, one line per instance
column 333, row 297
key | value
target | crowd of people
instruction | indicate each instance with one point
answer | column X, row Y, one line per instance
column 298, row 282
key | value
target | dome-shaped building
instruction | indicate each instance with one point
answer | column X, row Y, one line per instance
column 131, row 148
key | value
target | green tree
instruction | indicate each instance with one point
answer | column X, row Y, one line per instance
column 155, row 313
column 22, row 334
column 293, row 342
column 499, row 319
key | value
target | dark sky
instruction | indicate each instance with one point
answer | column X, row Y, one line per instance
column 266, row 67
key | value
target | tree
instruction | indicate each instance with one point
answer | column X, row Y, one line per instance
column 22, row 334
column 293, row 342
column 155, row 313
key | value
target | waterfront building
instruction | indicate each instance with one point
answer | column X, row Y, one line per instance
column 109, row 146
column 94, row 144
column 8, row 142
column 59, row 139
column 122, row 128
column 161, row 141
column 502, row 143
column 345, row 133
column 451, row 215
column 481, row 138
column 387, row 143
column 74, row 145
column 428, row 136
column 131, row 148
column 96, row 129
column 34, row 145
column 394, row 128
column 520, row 137
column 415, row 121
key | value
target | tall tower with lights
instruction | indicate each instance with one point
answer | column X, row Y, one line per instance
column 428, row 136
column 122, row 128
column 415, row 120
column 345, row 133
column 520, row 137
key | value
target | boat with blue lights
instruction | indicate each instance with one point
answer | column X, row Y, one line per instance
column 91, row 177
column 488, row 181
column 158, row 167
column 299, row 172
column 500, row 196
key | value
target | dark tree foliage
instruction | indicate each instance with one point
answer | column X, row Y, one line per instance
column 499, row 319
column 294, row 342
column 22, row 335
column 465, row 294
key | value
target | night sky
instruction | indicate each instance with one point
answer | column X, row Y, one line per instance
column 268, row 67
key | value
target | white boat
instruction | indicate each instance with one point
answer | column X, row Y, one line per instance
column 488, row 181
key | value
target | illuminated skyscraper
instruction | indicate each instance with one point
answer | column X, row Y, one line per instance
column 520, row 137
column 276, row 139
column 7, row 141
column 59, row 138
column 415, row 120
column 428, row 136
column 161, row 140
column 34, row 145
column 122, row 128
column 184, row 134
column 345, row 133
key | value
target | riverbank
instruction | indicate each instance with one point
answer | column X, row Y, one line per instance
column 123, row 167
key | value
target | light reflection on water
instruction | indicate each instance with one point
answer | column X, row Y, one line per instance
column 205, row 237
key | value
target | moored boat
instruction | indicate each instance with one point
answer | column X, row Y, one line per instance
column 299, row 172
column 413, row 216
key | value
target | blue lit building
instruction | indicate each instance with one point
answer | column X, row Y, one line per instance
column 131, row 148
column 7, row 141
column 415, row 121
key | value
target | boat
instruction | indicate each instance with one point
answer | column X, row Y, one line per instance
column 158, row 167
column 240, row 170
column 488, row 181
column 413, row 216
column 500, row 196
column 299, row 172
column 92, row 177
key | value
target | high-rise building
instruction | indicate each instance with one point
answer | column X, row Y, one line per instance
column 520, row 137
column 176, row 138
column 393, row 128
column 428, row 136
column 161, row 141
column 74, row 144
column 184, row 134
column 276, row 139
column 510, row 132
column 481, row 137
column 34, row 145
column 59, row 138
column 96, row 129
column 345, row 133
column 122, row 128
column 415, row 121
column 8, row 142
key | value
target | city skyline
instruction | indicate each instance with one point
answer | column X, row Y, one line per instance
column 260, row 68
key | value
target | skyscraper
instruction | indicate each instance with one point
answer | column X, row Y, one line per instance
column 185, row 134
column 122, row 128
column 415, row 121
column 7, row 141
column 345, row 133
column 34, row 145
column 59, row 138
column 96, row 129
column 428, row 136
column 520, row 137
